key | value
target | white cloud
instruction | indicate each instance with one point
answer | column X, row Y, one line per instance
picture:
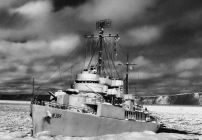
column 19, row 70
column 37, row 15
column 39, row 48
column 116, row 10
column 188, row 64
column 190, row 67
column 6, row 3
column 181, row 82
column 64, row 44
column 141, row 61
column 20, row 56
column 34, row 9
column 145, row 34
column 186, row 74
column 39, row 68
column 146, row 69
column 144, row 75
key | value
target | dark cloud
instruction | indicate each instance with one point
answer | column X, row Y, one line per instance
column 60, row 4
column 18, row 86
column 164, row 38
column 168, row 11
column 11, row 21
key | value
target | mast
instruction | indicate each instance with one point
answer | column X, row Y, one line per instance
column 101, row 25
column 101, row 32
column 127, row 72
column 33, row 84
column 127, row 69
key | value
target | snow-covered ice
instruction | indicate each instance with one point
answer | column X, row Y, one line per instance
column 15, row 124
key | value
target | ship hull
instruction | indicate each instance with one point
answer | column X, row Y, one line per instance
column 69, row 123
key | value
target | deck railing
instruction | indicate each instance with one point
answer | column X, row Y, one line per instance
column 136, row 115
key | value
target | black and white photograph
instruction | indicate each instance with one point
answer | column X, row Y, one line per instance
column 100, row 69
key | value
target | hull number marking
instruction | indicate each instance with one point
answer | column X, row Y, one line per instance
column 55, row 115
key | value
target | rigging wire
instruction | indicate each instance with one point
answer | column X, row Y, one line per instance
column 121, row 55
column 55, row 72
column 92, row 52
column 108, row 60
column 112, row 57
column 60, row 72
column 86, row 48
column 52, row 76
column 89, row 64
column 113, row 64
column 115, row 49
column 106, row 72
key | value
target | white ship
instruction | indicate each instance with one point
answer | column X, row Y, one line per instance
column 96, row 105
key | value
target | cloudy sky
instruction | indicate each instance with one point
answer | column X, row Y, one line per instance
column 44, row 39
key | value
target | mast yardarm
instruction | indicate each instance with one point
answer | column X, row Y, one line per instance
column 101, row 25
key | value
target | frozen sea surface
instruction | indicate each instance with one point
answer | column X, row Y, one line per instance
column 185, row 118
column 15, row 124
